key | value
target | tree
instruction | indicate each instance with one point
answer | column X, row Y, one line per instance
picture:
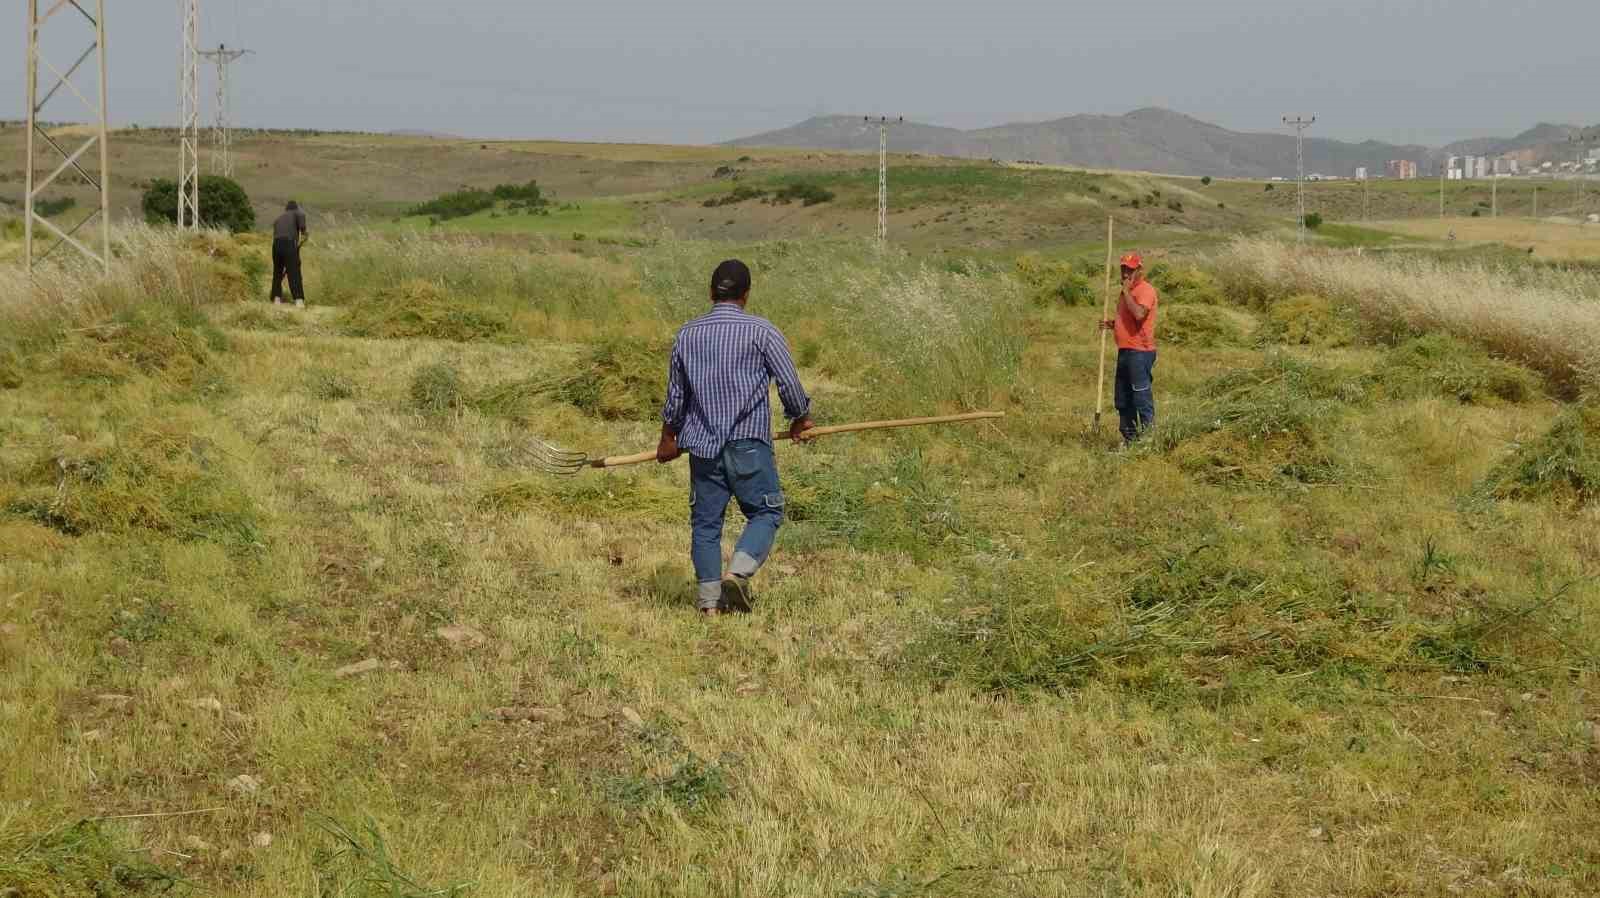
column 223, row 203
column 1313, row 220
column 1205, row 181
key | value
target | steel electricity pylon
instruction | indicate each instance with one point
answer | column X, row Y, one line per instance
column 221, row 138
column 883, row 173
column 1300, row 125
column 74, row 158
column 189, row 116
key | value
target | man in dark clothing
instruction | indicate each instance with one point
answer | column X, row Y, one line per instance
column 288, row 233
column 717, row 410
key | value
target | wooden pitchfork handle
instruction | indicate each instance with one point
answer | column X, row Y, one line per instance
column 615, row 461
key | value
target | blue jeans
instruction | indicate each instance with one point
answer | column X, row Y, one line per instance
column 745, row 470
column 1135, row 398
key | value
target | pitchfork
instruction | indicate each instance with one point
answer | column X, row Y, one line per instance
column 555, row 460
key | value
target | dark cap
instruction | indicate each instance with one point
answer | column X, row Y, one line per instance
column 292, row 205
column 731, row 280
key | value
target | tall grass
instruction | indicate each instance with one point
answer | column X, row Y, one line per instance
column 913, row 335
column 1547, row 319
column 147, row 263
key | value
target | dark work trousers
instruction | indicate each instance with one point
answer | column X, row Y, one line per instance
column 1135, row 396
column 286, row 260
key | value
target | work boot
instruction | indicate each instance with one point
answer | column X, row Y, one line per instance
column 299, row 303
column 277, row 300
column 736, row 595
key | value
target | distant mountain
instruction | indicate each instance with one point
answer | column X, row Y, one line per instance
column 408, row 132
column 1542, row 140
column 1148, row 139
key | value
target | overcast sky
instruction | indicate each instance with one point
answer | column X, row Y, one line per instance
column 701, row 71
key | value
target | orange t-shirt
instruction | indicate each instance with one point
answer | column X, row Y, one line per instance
column 1132, row 334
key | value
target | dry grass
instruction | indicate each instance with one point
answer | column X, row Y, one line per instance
column 1549, row 321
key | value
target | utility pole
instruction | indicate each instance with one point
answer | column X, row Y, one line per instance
column 221, row 140
column 1366, row 198
column 1300, row 125
column 1535, row 202
column 101, row 180
column 883, row 174
column 1494, row 196
column 1441, row 190
column 189, row 116
column 1582, row 139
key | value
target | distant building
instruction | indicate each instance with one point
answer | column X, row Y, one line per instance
column 1482, row 166
column 1402, row 169
column 1361, row 173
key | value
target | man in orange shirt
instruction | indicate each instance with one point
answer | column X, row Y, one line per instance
column 1135, row 328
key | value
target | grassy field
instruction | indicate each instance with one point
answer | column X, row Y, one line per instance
column 1548, row 239
column 284, row 609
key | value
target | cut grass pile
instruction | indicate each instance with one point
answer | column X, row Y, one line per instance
column 1562, row 465
column 1309, row 320
column 1272, row 423
column 420, row 310
column 1056, row 282
column 152, row 475
column 621, row 379
column 1197, row 325
column 1441, row 365
column 81, row 861
column 181, row 345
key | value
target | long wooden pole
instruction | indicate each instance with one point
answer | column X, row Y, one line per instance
column 1100, row 388
column 613, row 461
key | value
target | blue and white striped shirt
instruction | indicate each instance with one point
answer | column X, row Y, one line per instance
column 717, row 384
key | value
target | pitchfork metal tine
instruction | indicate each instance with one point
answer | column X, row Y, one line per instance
column 555, row 460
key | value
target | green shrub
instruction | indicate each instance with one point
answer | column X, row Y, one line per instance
column 1205, row 181
column 1269, row 188
column 529, row 194
column 739, row 194
column 1562, row 465
column 807, row 194
column 223, row 204
column 52, row 208
column 457, row 204
column 1313, row 220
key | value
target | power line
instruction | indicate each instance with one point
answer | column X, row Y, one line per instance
column 100, row 180
column 1300, row 125
column 222, row 140
column 883, row 174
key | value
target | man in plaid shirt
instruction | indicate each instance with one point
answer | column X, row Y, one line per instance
column 717, row 410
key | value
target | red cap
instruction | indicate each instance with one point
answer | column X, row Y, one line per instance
column 1132, row 260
